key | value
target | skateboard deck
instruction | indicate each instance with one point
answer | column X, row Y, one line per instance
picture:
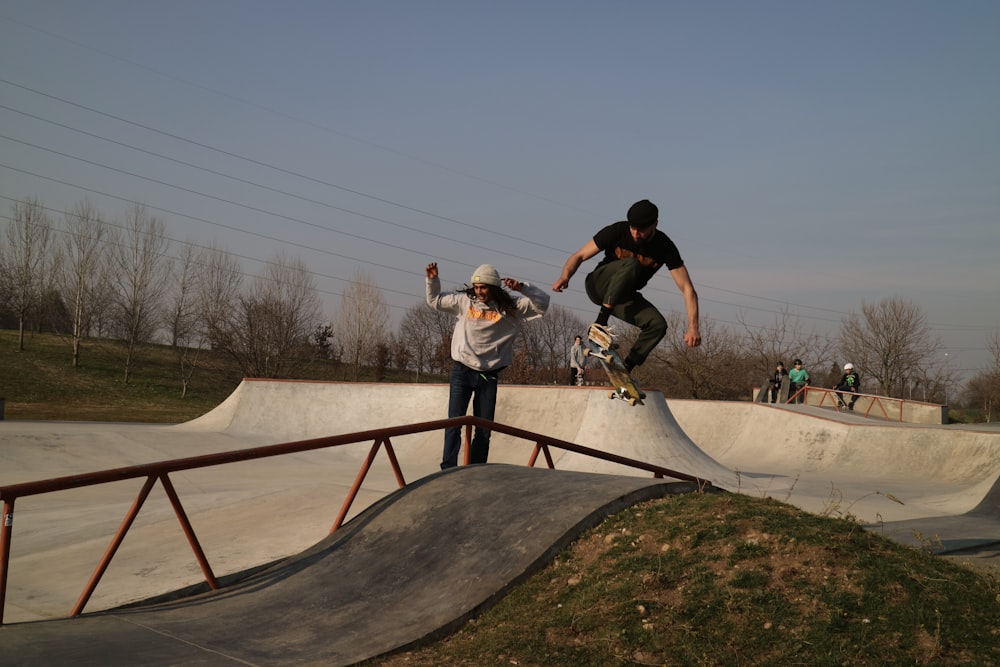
column 623, row 386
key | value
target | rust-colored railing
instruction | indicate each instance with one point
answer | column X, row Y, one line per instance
column 830, row 395
column 153, row 472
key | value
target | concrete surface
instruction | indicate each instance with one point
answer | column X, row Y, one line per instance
column 417, row 564
column 932, row 486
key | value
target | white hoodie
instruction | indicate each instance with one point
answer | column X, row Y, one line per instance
column 484, row 337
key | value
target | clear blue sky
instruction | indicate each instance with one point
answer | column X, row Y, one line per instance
column 815, row 154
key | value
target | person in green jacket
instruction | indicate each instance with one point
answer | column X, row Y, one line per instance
column 799, row 377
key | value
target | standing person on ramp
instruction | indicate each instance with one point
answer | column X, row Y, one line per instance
column 577, row 362
column 634, row 249
column 482, row 345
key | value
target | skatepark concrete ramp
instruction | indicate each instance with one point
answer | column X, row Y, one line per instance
column 940, row 482
column 273, row 411
column 414, row 566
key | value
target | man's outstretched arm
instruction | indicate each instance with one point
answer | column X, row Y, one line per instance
column 573, row 263
column 692, row 337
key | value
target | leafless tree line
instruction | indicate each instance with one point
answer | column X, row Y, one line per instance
column 85, row 277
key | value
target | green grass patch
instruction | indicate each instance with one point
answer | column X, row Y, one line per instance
column 41, row 382
column 725, row 579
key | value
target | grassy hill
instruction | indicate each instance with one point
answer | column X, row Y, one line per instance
column 726, row 579
column 41, row 382
column 704, row 579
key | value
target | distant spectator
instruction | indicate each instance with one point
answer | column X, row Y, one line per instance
column 849, row 382
column 577, row 362
column 799, row 377
column 775, row 382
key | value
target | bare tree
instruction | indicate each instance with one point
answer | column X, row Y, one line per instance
column 889, row 342
column 269, row 334
column 546, row 343
column 83, row 271
column 25, row 260
column 182, row 312
column 218, row 289
column 402, row 355
column 139, row 271
column 983, row 390
column 323, row 342
column 424, row 331
column 783, row 340
column 718, row 369
column 363, row 319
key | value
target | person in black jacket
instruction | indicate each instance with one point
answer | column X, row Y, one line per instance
column 779, row 375
column 849, row 382
column 632, row 251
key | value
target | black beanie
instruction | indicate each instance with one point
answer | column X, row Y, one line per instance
column 642, row 214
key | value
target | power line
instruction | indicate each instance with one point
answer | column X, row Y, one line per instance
column 240, row 180
column 333, row 185
column 273, row 167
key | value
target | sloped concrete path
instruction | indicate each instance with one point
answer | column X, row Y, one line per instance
column 415, row 565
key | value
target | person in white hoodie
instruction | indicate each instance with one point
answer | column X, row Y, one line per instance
column 487, row 320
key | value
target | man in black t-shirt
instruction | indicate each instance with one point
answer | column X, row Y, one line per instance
column 634, row 250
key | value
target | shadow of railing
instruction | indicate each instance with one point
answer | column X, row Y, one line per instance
column 160, row 472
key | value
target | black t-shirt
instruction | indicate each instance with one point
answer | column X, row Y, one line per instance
column 617, row 243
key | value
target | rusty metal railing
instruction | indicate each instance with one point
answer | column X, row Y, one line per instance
column 160, row 472
column 835, row 402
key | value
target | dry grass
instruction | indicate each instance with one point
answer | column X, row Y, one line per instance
column 41, row 382
column 725, row 579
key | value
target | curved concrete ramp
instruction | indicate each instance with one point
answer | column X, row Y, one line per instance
column 934, row 470
column 415, row 565
column 258, row 512
column 933, row 487
column 266, row 411
column 903, row 479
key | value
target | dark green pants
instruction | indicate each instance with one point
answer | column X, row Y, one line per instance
column 614, row 283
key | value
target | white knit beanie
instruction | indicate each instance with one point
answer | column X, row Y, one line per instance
column 486, row 275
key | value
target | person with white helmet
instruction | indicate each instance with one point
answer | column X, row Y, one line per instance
column 849, row 382
column 482, row 345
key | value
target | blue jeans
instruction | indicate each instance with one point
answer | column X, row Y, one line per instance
column 481, row 388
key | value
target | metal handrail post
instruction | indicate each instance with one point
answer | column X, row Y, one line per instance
column 467, row 444
column 544, row 449
column 6, row 531
column 116, row 542
column 188, row 529
column 880, row 407
column 391, row 453
column 353, row 493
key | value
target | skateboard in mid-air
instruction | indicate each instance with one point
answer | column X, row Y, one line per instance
column 601, row 346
